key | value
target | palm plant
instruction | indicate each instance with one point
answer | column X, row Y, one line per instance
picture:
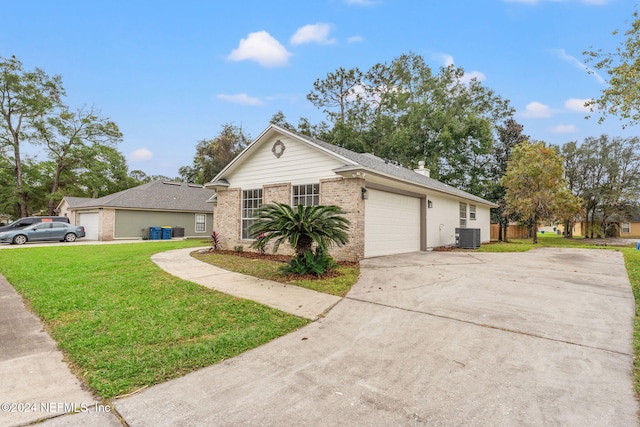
column 301, row 226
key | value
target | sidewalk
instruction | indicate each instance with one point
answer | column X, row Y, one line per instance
column 36, row 382
column 290, row 299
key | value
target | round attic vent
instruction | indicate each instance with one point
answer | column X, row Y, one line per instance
column 278, row 148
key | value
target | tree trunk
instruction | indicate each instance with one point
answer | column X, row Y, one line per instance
column 500, row 231
column 304, row 245
column 568, row 229
column 22, row 195
column 506, row 231
column 54, row 188
column 535, row 229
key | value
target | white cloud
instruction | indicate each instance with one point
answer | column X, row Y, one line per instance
column 355, row 39
column 575, row 104
column 241, row 98
column 141, row 155
column 562, row 54
column 447, row 61
column 262, row 48
column 536, row 110
column 564, row 129
column 473, row 75
column 316, row 33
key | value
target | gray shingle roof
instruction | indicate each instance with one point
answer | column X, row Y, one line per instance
column 156, row 195
column 76, row 201
column 374, row 163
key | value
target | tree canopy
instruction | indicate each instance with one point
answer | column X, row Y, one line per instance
column 24, row 97
column 403, row 111
column 212, row 155
column 80, row 146
column 605, row 173
column 621, row 97
column 510, row 135
column 535, row 187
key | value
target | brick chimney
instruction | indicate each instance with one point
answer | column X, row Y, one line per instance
column 422, row 170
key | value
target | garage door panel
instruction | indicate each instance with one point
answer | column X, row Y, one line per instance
column 392, row 223
column 90, row 223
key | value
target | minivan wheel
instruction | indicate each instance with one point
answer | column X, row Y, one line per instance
column 20, row 239
column 70, row 237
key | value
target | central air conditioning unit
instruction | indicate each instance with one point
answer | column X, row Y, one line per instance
column 468, row 238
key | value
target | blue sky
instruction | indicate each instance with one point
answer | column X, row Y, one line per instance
column 172, row 73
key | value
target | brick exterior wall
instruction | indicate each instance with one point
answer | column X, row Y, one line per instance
column 107, row 221
column 335, row 191
column 346, row 193
column 64, row 211
column 276, row 193
column 226, row 217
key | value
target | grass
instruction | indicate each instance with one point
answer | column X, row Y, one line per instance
column 125, row 324
column 268, row 269
column 631, row 260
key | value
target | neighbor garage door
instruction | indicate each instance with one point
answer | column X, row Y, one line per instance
column 90, row 223
column 391, row 223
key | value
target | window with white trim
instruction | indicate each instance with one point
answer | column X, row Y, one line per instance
column 472, row 212
column 305, row 195
column 201, row 223
column 625, row 227
column 251, row 201
column 463, row 215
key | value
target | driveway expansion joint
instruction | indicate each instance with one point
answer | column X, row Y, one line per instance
column 485, row 325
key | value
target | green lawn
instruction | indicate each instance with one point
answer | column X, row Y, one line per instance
column 124, row 324
column 270, row 270
column 632, row 263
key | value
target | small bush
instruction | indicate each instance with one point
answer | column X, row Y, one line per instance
column 317, row 263
column 238, row 248
column 611, row 231
column 215, row 241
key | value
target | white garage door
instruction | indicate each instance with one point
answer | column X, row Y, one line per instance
column 90, row 223
column 391, row 224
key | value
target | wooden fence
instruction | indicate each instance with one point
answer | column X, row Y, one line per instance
column 513, row 232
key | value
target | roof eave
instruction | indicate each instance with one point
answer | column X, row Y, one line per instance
column 219, row 184
column 362, row 172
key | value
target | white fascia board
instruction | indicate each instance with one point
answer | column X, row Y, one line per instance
column 349, row 171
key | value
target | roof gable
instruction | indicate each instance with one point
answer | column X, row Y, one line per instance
column 351, row 161
column 268, row 135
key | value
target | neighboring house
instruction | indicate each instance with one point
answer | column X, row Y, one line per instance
column 628, row 227
column 128, row 214
column 392, row 209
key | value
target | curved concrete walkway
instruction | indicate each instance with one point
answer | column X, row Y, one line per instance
column 542, row 338
column 538, row 338
column 290, row 299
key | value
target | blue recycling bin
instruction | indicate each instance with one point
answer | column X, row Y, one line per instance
column 154, row 233
column 166, row 233
column 638, row 246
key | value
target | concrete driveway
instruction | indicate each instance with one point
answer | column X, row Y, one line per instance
column 538, row 338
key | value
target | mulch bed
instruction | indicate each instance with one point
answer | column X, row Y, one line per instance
column 446, row 249
column 285, row 259
column 255, row 255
